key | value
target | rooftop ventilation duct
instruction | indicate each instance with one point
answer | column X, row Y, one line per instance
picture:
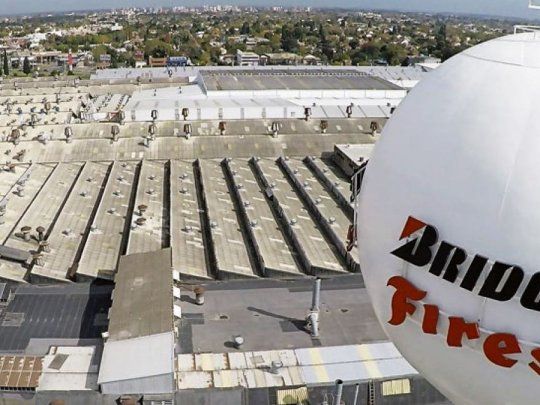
column 349, row 110
column 307, row 113
column 324, row 126
column 15, row 134
column 185, row 113
column 68, row 132
column 142, row 209
column 115, row 131
column 152, row 129
column 25, row 232
column 374, row 127
column 40, row 233
column 276, row 127
column 187, row 130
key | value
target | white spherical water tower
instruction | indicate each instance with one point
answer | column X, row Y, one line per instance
column 448, row 224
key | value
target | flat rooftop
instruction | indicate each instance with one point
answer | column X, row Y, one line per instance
column 270, row 315
column 308, row 79
column 279, row 358
column 356, row 152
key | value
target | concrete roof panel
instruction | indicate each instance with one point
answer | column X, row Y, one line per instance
column 142, row 300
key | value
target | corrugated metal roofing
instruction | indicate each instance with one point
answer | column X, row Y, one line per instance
column 276, row 368
column 20, row 372
column 292, row 396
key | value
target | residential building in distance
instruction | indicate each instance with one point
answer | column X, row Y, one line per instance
column 247, row 58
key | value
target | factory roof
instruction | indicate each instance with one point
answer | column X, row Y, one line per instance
column 391, row 73
column 299, row 79
column 70, row 368
column 84, row 188
column 54, row 313
column 395, row 73
column 142, row 299
column 304, row 366
column 270, row 315
column 90, row 212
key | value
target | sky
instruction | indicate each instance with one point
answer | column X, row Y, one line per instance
column 509, row 8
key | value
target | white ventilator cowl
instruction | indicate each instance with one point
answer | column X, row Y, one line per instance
column 462, row 153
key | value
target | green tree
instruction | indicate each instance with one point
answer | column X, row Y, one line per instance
column 444, row 50
column 245, row 30
column 288, row 41
column 298, row 31
column 157, row 48
column 325, row 46
column 371, row 50
column 98, row 51
column 358, row 57
column 27, row 69
column 6, row 63
column 393, row 54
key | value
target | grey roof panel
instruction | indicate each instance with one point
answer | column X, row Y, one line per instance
column 14, row 254
column 58, row 312
column 142, row 299
column 299, row 79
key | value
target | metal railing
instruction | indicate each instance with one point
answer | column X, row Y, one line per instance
column 527, row 28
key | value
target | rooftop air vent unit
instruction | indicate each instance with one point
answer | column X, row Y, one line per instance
column 222, row 127
column 324, row 126
column 152, row 129
column 307, row 113
column 115, row 131
column 68, row 132
column 349, row 110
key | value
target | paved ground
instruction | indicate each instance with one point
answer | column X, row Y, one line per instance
column 270, row 315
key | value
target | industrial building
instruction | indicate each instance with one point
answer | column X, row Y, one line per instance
column 160, row 231
column 90, row 177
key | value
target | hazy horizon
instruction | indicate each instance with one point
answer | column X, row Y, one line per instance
column 504, row 8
